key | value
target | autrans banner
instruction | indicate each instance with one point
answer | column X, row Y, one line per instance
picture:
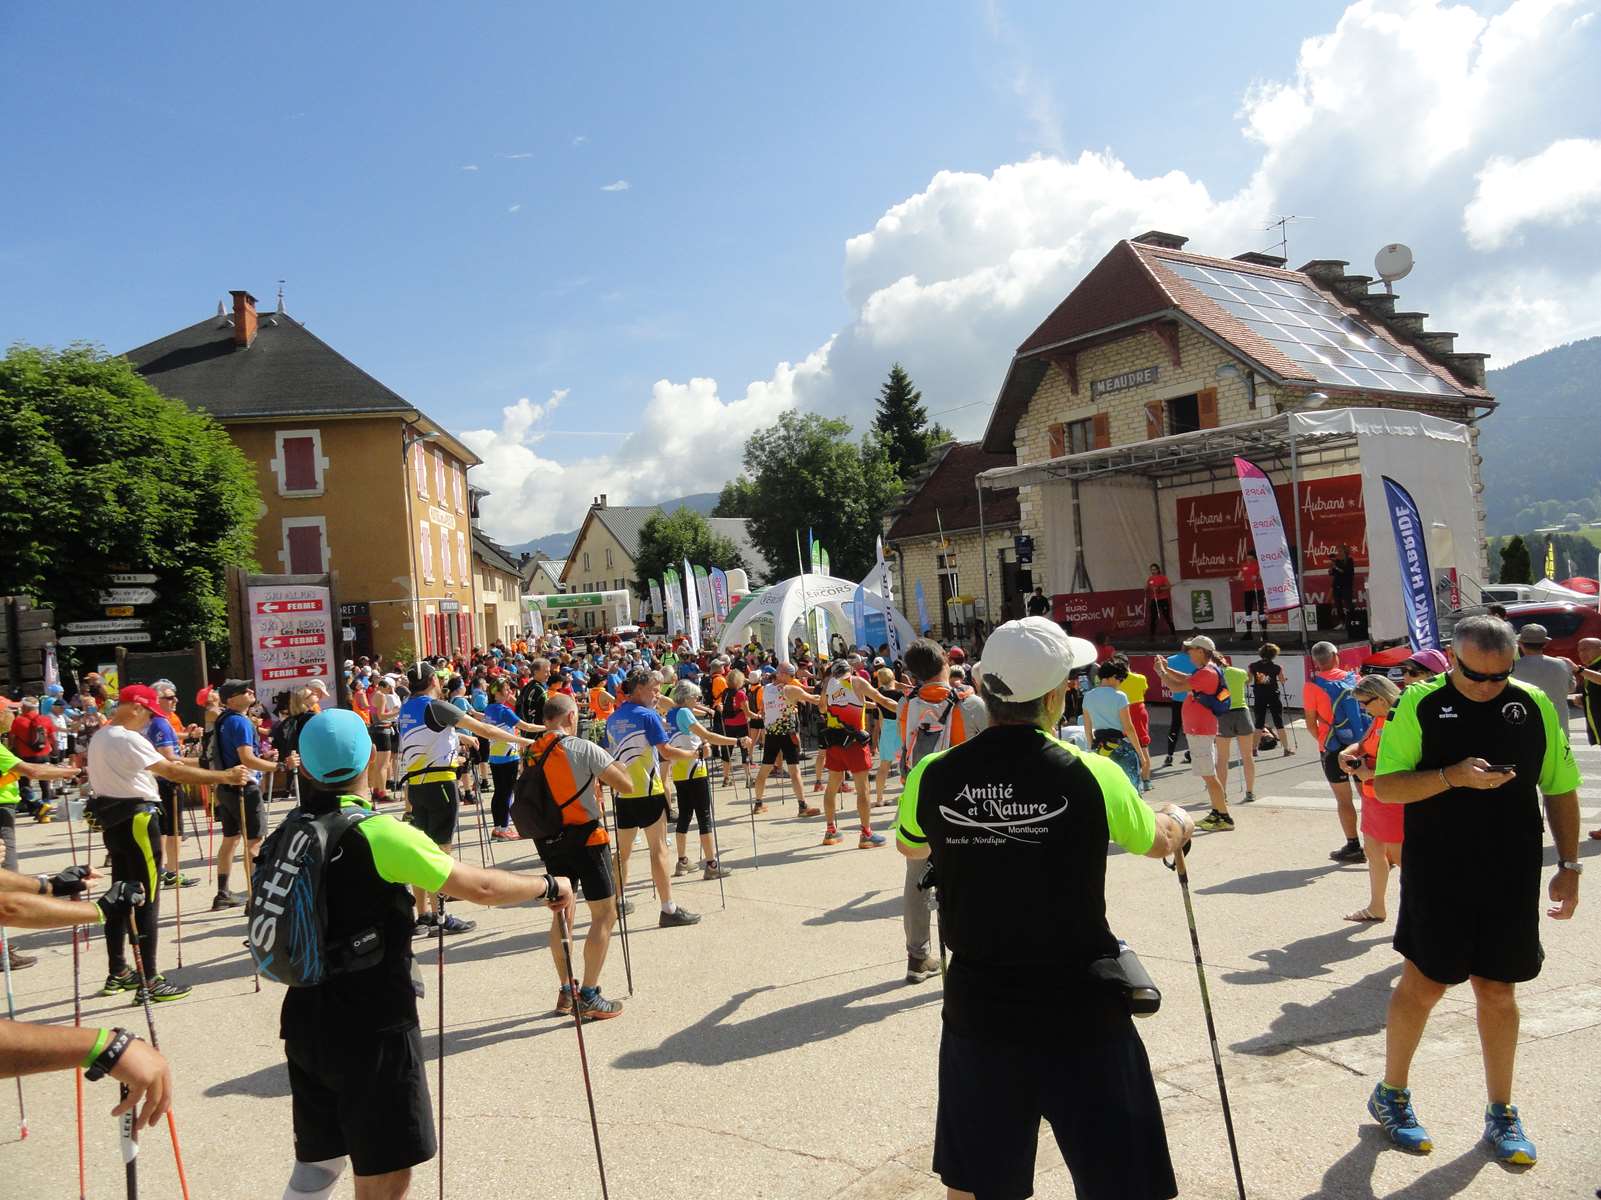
column 1214, row 531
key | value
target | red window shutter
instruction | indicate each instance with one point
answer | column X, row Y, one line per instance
column 1103, row 430
column 305, row 549
column 1058, row 440
column 464, row 622
column 1153, row 418
column 300, row 464
column 1206, row 408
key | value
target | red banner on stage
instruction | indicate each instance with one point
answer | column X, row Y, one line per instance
column 1102, row 612
column 1214, row 531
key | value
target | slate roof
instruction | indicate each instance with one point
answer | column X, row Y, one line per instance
column 1135, row 282
column 287, row 371
column 625, row 521
column 493, row 553
column 948, row 495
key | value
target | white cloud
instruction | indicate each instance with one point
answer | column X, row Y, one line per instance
column 514, row 208
column 1561, row 185
column 519, row 154
column 1387, row 128
column 580, row 139
column 616, row 185
column 470, row 167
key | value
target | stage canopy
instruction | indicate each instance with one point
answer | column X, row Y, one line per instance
column 786, row 605
column 1107, row 514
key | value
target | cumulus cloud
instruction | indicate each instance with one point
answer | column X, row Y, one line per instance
column 1420, row 121
column 470, row 167
column 616, row 185
column 1561, row 185
column 513, row 208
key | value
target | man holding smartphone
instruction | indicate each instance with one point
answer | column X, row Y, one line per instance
column 1468, row 754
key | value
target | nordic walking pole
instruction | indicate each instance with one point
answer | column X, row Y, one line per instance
column 439, row 910
column 211, row 833
column 583, row 1057
column 622, row 901
column 755, row 854
column 11, row 1011
column 130, row 1148
column 711, row 803
column 1182, row 871
column 244, row 857
column 77, row 1082
column 155, row 1044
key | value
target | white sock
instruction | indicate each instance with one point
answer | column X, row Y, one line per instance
column 669, row 907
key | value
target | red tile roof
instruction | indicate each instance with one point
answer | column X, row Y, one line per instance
column 950, row 496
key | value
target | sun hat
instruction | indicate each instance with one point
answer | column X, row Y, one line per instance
column 1027, row 658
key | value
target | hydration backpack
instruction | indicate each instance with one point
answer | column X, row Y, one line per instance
column 288, row 928
column 1350, row 724
column 535, row 811
column 931, row 731
column 1218, row 702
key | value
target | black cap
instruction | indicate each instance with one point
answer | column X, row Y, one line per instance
column 229, row 688
column 420, row 676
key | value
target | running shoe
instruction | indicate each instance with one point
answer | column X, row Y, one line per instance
column 424, row 926
column 805, row 810
column 46, row 814
column 679, row 916
column 161, row 991
column 224, row 900
column 1250, row 798
column 831, row 836
column 868, row 840
column 1392, row 1109
column 504, row 835
column 173, row 879
column 1504, row 1136
column 597, row 1007
column 681, row 868
column 715, row 870
column 564, row 1001
column 21, row 962
column 1216, row 822
column 123, row 981
column 1168, row 761
column 627, row 908
column 919, row 969
column 453, row 924
column 1351, row 852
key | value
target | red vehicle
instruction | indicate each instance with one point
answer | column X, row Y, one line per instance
column 1565, row 623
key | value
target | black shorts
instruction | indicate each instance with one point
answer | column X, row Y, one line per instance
column 1265, row 704
column 365, row 1095
column 785, row 745
column 992, row 1096
column 640, row 812
column 433, row 809
column 1450, row 933
column 384, row 737
column 168, row 791
column 227, row 801
column 587, row 866
column 1331, row 765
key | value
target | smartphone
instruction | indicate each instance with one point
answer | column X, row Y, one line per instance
column 1502, row 768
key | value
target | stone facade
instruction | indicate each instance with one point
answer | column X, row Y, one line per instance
column 918, row 562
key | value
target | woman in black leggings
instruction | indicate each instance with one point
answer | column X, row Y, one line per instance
column 690, row 780
column 503, row 762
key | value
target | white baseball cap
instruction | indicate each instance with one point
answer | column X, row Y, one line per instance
column 1025, row 659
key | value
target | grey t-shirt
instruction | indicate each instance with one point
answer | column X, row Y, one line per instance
column 1553, row 676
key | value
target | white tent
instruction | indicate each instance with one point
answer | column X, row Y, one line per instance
column 1549, row 589
column 787, row 603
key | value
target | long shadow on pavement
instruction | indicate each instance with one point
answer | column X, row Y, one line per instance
column 710, row 1042
column 1355, row 1010
column 1305, row 958
column 860, row 910
column 1266, row 882
column 1351, row 1176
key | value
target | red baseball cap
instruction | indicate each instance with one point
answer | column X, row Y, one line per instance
column 958, row 655
column 140, row 694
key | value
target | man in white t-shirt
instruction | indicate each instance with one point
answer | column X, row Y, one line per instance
column 123, row 768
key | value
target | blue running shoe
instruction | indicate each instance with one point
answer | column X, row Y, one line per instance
column 1392, row 1109
column 1503, row 1134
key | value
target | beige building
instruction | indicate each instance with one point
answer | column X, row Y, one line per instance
column 1161, row 364
column 498, row 586
column 355, row 479
column 542, row 574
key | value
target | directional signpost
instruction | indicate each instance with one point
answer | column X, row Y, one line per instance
column 104, row 639
column 291, row 632
column 128, row 595
column 103, row 626
column 133, row 577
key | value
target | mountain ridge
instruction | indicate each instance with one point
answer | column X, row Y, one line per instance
column 559, row 545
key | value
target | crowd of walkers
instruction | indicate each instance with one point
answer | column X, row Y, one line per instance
column 585, row 744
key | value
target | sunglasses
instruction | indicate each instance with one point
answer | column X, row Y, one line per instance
column 1482, row 676
column 1410, row 669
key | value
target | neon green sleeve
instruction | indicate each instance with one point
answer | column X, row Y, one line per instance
column 1558, row 772
column 907, row 828
column 1401, row 743
column 403, row 854
column 1129, row 820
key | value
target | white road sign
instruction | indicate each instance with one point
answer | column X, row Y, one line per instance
column 128, row 595
column 104, row 639
column 133, row 577
column 104, row 626
column 291, row 635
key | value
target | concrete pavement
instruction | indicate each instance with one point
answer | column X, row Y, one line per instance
column 774, row 1051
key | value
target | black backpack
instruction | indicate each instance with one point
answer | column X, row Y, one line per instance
column 288, row 911
column 535, row 811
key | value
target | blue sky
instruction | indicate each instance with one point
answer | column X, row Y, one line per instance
column 159, row 157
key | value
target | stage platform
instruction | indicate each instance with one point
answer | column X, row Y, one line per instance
column 1235, row 644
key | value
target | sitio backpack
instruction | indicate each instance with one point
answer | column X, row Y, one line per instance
column 535, row 810
column 288, row 913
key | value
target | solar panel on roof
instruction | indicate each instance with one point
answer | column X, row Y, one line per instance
column 1311, row 330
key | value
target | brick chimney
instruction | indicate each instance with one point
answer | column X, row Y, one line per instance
column 244, row 318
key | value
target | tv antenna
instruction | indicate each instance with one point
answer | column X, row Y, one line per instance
column 1282, row 225
column 1392, row 262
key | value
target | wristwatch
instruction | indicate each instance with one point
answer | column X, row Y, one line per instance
column 1568, row 864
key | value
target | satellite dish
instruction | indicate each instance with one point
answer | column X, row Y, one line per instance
column 1392, row 262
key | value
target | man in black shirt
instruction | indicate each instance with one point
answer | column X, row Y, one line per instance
column 1016, row 822
column 531, row 700
column 353, row 1043
column 1342, row 583
column 1469, row 753
column 1039, row 604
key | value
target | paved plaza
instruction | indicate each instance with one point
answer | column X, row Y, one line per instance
column 774, row 1050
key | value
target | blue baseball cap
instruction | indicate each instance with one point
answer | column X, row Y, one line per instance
column 335, row 746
